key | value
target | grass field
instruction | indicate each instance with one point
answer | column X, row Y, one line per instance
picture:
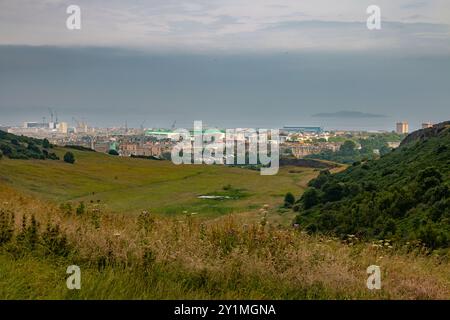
column 132, row 185
column 123, row 256
column 242, row 248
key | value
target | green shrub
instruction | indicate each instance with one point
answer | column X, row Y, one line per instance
column 81, row 208
column 289, row 200
column 69, row 157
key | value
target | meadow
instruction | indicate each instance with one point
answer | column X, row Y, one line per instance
column 148, row 256
column 144, row 234
column 126, row 185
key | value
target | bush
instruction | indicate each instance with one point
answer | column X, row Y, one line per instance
column 81, row 208
column 6, row 149
column 66, row 208
column 54, row 241
column 28, row 238
column 46, row 144
column 310, row 198
column 113, row 152
column 289, row 200
column 69, row 157
column 333, row 191
column 318, row 182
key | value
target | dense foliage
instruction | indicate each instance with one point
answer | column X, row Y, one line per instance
column 21, row 147
column 404, row 195
column 69, row 157
column 355, row 148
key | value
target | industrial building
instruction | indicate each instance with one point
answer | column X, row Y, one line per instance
column 316, row 130
column 402, row 127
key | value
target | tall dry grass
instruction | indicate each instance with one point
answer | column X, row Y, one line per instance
column 229, row 258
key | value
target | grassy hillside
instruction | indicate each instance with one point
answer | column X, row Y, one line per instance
column 21, row 147
column 150, row 257
column 132, row 185
column 142, row 233
column 402, row 196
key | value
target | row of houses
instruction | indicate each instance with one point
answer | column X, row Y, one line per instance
column 300, row 150
column 155, row 149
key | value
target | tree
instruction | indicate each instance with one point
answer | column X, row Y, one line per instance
column 384, row 150
column 113, row 152
column 6, row 150
column 69, row 157
column 310, row 198
column 289, row 200
column 46, row 144
column 348, row 147
column 333, row 191
column 428, row 173
column 318, row 182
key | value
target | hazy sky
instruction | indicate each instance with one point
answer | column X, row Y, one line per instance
column 229, row 62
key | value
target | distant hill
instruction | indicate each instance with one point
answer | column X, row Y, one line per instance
column 404, row 195
column 21, row 147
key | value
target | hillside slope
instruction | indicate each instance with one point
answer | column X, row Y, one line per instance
column 185, row 257
column 402, row 196
column 21, row 147
column 129, row 185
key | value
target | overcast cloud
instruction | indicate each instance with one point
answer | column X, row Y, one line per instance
column 229, row 25
column 229, row 63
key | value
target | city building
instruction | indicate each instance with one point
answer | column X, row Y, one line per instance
column 36, row 125
column 160, row 133
column 393, row 144
column 316, row 130
column 102, row 146
column 302, row 150
column 63, row 127
column 426, row 125
column 402, row 127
